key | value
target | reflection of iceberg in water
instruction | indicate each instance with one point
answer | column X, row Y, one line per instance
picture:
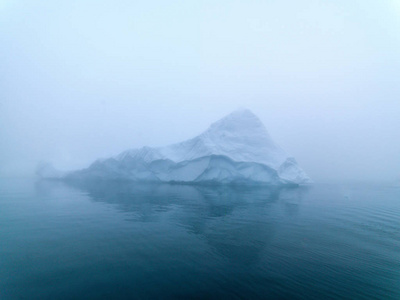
column 291, row 199
column 237, row 222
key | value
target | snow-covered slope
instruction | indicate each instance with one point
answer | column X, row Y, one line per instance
column 236, row 148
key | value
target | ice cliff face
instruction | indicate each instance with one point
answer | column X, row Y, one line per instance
column 235, row 149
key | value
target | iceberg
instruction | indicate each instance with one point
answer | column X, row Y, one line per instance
column 46, row 170
column 235, row 149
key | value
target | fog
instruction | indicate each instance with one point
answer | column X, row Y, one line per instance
column 82, row 80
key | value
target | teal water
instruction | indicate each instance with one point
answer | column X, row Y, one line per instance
column 129, row 241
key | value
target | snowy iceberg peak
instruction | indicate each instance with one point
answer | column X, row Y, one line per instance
column 243, row 137
column 239, row 122
column 236, row 148
column 241, row 126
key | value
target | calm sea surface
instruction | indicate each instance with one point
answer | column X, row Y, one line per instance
column 130, row 241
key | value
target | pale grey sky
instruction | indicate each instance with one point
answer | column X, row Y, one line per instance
column 86, row 79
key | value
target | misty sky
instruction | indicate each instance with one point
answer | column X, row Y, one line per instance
column 81, row 80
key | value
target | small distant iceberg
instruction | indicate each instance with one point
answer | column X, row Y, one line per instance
column 235, row 149
column 46, row 170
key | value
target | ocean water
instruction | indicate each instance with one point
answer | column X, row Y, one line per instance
column 147, row 241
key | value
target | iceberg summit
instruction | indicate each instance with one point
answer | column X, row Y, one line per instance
column 235, row 149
